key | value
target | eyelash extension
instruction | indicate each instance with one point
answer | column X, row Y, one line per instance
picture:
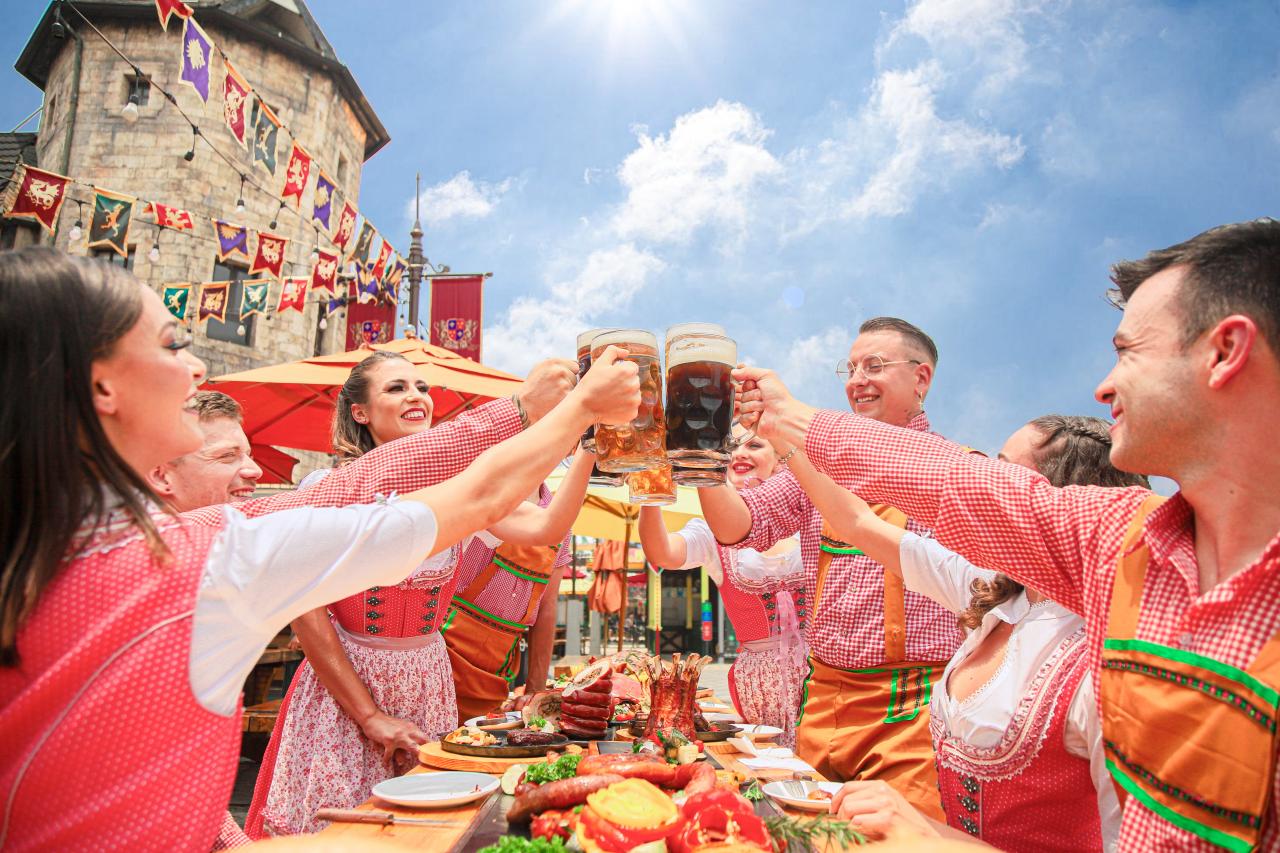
column 177, row 345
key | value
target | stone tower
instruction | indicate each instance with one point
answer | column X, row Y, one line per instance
column 278, row 47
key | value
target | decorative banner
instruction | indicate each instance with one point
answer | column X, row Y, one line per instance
column 196, row 49
column 295, row 177
column 325, row 273
column 370, row 323
column 293, row 295
column 170, row 217
column 253, row 298
column 323, row 203
column 367, row 284
column 363, row 244
column 270, row 257
column 176, row 297
column 346, row 226
column 235, row 94
column 233, row 240
column 167, row 8
column 333, row 305
column 266, row 129
column 380, row 265
column 39, row 196
column 394, row 274
column 109, row 226
column 457, row 312
column 213, row 301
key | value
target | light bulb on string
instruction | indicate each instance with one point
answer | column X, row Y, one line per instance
column 324, row 323
column 130, row 111
column 77, row 230
column 191, row 155
column 240, row 330
column 154, row 254
column 315, row 255
column 240, row 198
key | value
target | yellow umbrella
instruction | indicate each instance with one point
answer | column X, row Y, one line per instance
column 606, row 514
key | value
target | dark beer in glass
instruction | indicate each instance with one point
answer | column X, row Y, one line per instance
column 700, row 401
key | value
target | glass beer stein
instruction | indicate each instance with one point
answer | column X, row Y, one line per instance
column 699, row 407
column 639, row 444
column 653, row 487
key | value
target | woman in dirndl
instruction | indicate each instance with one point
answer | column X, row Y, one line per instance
column 762, row 594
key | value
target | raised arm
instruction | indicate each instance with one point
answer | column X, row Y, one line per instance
column 661, row 547
column 1000, row 516
column 755, row 518
column 531, row 524
column 849, row 516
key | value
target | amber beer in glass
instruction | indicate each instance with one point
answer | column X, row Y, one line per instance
column 638, row 444
column 700, row 400
column 651, row 488
column 598, row 477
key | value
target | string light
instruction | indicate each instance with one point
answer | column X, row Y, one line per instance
column 130, row 111
column 154, row 254
column 77, row 230
column 275, row 220
column 191, row 155
column 240, row 199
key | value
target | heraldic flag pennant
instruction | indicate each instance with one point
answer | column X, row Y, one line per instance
column 270, row 257
column 457, row 308
column 346, row 226
column 233, row 240
column 395, row 273
column 266, row 130
column 213, row 301
column 235, row 94
column 39, row 196
column 171, row 217
column 322, row 205
column 295, row 176
column 253, row 298
column 175, row 299
column 325, row 273
column 109, row 227
column 196, row 50
column 367, row 284
column 363, row 243
column 167, row 8
column 380, row 265
column 293, row 295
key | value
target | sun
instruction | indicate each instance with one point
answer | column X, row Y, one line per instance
column 632, row 30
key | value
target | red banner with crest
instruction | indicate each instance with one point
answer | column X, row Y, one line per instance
column 457, row 313
column 370, row 323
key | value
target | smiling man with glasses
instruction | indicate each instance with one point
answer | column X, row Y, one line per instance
column 875, row 646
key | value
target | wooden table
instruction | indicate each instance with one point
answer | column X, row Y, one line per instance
column 478, row 825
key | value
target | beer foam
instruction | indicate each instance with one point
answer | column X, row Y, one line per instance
column 684, row 351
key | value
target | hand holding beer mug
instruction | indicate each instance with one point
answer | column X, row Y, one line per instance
column 636, row 444
column 612, row 388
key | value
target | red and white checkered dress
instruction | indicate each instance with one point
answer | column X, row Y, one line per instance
column 846, row 628
column 1065, row 543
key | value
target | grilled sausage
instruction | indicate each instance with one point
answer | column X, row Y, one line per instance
column 585, row 712
column 582, row 729
column 560, row 794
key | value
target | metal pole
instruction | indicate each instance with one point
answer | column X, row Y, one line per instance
column 416, row 256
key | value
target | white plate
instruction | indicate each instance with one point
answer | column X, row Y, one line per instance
column 511, row 717
column 759, row 731
column 436, row 790
column 723, row 718
column 793, row 794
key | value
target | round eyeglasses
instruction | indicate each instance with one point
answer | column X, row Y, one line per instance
column 870, row 367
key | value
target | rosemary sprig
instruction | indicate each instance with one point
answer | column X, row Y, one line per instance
column 753, row 791
column 807, row 835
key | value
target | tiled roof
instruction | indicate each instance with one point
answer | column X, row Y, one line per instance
column 15, row 147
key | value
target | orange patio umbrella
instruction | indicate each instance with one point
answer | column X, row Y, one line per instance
column 291, row 405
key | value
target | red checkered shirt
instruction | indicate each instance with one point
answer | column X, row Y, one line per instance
column 505, row 596
column 846, row 629
column 1066, row 544
column 404, row 465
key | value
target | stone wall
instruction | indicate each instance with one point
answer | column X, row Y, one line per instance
column 145, row 159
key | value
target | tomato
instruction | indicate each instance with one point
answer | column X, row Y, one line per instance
column 552, row 824
column 617, row 839
column 716, row 817
column 718, row 798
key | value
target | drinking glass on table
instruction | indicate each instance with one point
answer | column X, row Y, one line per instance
column 653, row 487
column 640, row 443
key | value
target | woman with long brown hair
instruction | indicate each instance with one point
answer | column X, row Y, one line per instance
column 377, row 681
column 110, row 609
column 1014, row 715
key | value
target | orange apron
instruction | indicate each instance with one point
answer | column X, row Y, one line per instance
column 872, row 723
column 1190, row 738
column 484, row 649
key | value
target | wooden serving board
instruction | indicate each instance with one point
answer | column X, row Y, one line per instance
column 432, row 755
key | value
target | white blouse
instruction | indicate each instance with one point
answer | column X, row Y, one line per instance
column 981, row 719
column 263, row 572
column 701, row 550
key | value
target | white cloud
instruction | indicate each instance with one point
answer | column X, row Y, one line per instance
column 808, row 365
column 461, row 198
column 704, row 173
column 536, row 327
column 985, row 35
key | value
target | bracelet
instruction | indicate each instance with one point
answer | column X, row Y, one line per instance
column 786, row 457
column 524, row 416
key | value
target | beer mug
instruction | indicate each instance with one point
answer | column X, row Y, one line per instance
column 700, row 401
column 584, row 364
column 653, row 487
column 698, row 477
column 638, row 444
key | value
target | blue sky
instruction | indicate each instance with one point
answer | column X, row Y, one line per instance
column 790, row 169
